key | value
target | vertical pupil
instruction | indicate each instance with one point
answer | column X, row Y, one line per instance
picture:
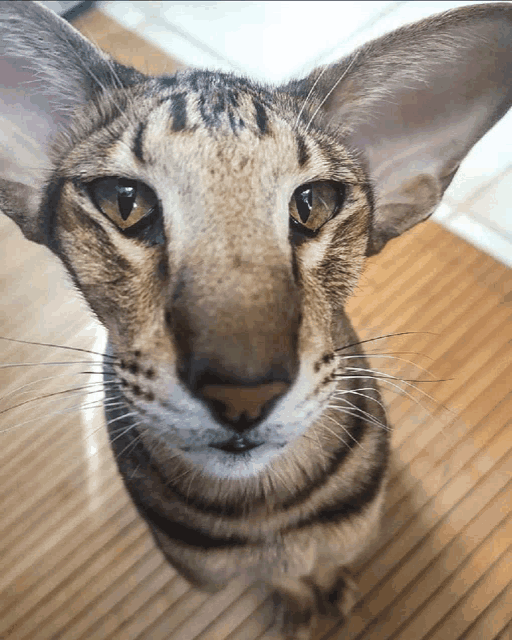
column 304, row 200
column 126, row 192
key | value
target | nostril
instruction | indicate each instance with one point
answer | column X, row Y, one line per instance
column 242, row 405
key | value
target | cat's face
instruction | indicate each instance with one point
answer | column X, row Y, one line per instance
column 216, row 227
column 246, row 234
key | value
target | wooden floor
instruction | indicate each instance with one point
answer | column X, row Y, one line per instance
column 76, row 562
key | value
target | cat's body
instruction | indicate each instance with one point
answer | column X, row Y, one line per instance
column 216, row 228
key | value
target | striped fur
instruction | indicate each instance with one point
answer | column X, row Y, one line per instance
column 242, row 416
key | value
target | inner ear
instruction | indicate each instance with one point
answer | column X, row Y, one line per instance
column 49, row 71
column 414, row 102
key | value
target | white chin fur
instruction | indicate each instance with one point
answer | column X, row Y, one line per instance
column 228, row 465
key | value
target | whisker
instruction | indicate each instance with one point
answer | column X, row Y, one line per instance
column 95, row 403
column 182, row 475
column 100, row 404
column 386, row 357
column 132, row 474
column 39, row 380
column 101, row 388
column 383, row 337
column 391, row 354
column 313, row 87
column 124, row 431
column 60, row 346
column 353, row 414
column 388, row 380
column 358, row 411
column 315, row 439
column 94, row 373
column 103, row 383
column 194, row 475
column 282, row 481
column 344, row 429
column 120, row 85
column 337, row 394
column 327, row 95
column 130, row 446
column 388, row 375
column 52, row 395
column 336, row 435
column 122, row 417
column 403, row 391
column 106, row 91
column 42, row 364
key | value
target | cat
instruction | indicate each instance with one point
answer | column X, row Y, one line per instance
column 216, row 227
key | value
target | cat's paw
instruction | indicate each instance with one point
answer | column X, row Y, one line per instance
column 339, row 599
column 298, row 604
column 291, row 620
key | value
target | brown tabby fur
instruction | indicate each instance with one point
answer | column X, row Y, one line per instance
column 220, row 303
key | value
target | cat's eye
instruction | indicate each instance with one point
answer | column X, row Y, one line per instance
column 314, row 204
column 126, row 202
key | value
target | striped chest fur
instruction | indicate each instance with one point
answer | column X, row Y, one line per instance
column 216, row 229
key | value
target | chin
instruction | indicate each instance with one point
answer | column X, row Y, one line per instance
column 228, row 464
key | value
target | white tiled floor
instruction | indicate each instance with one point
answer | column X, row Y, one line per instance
column 273, row 41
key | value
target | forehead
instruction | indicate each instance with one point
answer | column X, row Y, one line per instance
column 214, row 121
column 217, row 102
column 221, row 118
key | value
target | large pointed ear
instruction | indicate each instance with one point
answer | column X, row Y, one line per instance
column 47, row 71
column 414, row 102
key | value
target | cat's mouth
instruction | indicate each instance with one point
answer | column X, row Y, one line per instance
column 238, row 444
column 238, row 456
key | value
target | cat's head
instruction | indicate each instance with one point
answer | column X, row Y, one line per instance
column 216, row 226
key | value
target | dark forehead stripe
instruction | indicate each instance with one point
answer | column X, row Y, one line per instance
column 233, row 123
column 179, row 111
column 219, row 104
column 261, row 117
column 138, row 142
column 219, row 108
column 211, row 108
column 233, row 98
column 168, row 81
column 219, row 100
column 302, row 151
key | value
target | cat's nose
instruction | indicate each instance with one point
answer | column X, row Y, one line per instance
column 242, row 406
column 239, row 402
